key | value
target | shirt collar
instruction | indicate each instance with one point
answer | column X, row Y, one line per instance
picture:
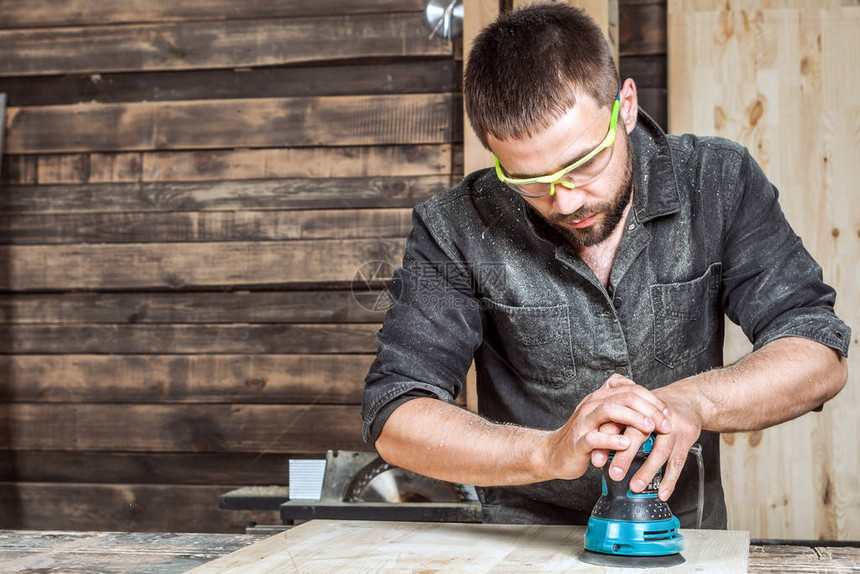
column 655, row 183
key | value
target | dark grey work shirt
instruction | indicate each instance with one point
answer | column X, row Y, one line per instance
column 485, row 277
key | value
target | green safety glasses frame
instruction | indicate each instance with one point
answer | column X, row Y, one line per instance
column 559, row 177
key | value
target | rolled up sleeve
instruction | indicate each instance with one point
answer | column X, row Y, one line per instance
column 773, row 288
column 429, row 334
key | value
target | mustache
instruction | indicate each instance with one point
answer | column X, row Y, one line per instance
column 581, row 213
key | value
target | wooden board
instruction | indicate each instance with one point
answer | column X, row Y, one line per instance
column 407, row 77
column 113, row 552
column 301, row 193
column 193, row 226
column 240, row 469
column 180, row 428
column 42, row 13
column 175, row 266
column 154, row 378
column 260, row 122
column 204, row 307
column 242, row 164
column 130, row 507
column 780, row 78
column 215, row 44
column 343, row 546
column 189, row 339
column 477, row 15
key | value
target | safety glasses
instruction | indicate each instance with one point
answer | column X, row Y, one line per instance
column 579, row 173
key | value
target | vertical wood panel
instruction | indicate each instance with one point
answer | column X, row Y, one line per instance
column 780, row 78
column 477, row 15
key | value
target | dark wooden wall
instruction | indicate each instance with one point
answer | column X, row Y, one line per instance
column 642, row 53
column 188, row 191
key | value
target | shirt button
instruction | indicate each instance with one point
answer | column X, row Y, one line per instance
column 621, row 371
column 617, row 302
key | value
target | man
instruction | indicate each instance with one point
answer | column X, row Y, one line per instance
column 588, row 274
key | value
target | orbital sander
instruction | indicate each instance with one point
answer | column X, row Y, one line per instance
column 636, row 530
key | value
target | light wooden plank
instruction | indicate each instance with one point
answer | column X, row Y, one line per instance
column 341, row 546
column 778, row 76
column 44, row 13
column 297, row 193
column 190, row 226
column 130, row 507
column 476, row 16
column 185, row 265
column 180, row 428
column 215, row 44
column 263, row 122
column 327, row 306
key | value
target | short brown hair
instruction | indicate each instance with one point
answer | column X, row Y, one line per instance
column 524, row 67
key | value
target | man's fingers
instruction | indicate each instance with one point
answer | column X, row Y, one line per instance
column 600, row 456
column 654, row 419
column 660, row 408
column 617, row 412
column 616, row 380
column 673, row 470
column 660, row 453
column 596, row 440
column 622, row 459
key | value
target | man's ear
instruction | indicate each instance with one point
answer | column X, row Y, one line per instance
column 629, row 104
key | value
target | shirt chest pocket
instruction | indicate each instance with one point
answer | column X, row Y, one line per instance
column 686, row 316
column 536, row 342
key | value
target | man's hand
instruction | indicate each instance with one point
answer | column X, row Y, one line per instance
column 670, row 448
column 618, row 403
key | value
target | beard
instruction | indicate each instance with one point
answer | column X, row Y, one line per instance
column 612, row 210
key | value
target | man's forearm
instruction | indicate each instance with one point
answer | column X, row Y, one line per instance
column 437, row 439
column 443, row 441
column 781, row 381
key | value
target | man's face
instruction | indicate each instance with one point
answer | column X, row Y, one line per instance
column 588, row 214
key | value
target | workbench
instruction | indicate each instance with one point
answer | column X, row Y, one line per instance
column 371, row 546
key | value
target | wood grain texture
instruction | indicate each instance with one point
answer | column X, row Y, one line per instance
column 185, row 265
column 642, row 29
column 114, row 552
column 215, row 44
column 131, row 507
column 299, row 193
column 45, row 13
column 329, row 306
column 188, row 339
column 778, row 76
column 477, row 15
column 145, row 468
column 290, row 80
column 242, row 164
column 193, row 226
column 180, row 428
column 263, row 122
column 343, row 546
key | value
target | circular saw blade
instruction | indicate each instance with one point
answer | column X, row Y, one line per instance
column 382, row 482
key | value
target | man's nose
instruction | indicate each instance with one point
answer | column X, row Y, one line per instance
column 568, row 199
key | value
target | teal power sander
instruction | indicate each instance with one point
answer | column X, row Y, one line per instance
column 632, row 530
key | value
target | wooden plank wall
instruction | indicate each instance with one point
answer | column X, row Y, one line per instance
column 780, row 76
column 188, row 191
